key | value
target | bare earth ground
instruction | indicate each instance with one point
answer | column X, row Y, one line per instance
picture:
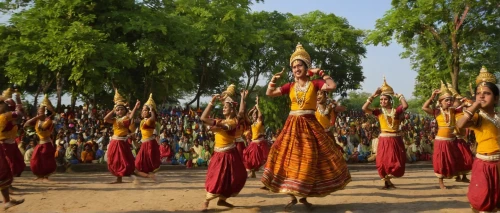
column 183, row 191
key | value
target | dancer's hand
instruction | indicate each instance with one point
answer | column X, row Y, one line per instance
column 277, row 76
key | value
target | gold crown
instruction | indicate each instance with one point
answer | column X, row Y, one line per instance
column 7, row 93
column 151, row 103
column 46, row 103
column 230, row 91
column 485, row 76
column 386, row 89
column 445, row 92
column 301, row 54
column 453, row 91
column 119, row 99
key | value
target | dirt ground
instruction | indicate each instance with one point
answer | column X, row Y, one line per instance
column 183, row 191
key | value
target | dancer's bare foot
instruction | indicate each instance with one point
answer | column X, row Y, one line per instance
column 152, row 176
column 390, row 184
column 306, row 203
column 205, row 206
column 441, row 184
column 264, row 188
column 117, row 181
column 38, row 179
column 224, row 203
column 386, row 185
column 46, row 179
column 465, row 180
column 13, row 203
column 253, row 175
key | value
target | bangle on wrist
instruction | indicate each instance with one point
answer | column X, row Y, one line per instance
column 321, row 73
column 369, row 101
column 310, row 73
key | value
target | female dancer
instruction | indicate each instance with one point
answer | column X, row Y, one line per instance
column 242, row 125
column 226, row 174
column 6, row 176
column 120, row 157
column 446, row 160
column 391, row 155
column 484, row 187
column 303, row 161
column 8, row 131
column 463, row 147
column 327, row 115
column 255, row 155
column 43, row 163
column 148, row 160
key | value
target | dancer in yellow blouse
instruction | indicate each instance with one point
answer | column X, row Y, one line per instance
column 326, row 114
column 446, row 159
column 391, row 156
column 303, row 161
column 255, row 155
column 480, row 116
column 226, row 174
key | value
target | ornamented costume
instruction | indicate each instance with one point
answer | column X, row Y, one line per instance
column 120, row 157
column 463, row 147
column 255, row 155
column 43, row 162
column 226, row 174
column 447, row 159
column 484, row 187
column 391, row 155
column 5, row 169
column 148, row 158
column 303, row 161
column 8, row 133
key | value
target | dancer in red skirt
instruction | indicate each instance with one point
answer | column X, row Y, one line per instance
column 391, row 155
column 8, row 131
column 463, row 146
column 43, row 162
column 255, row 155
column 226, row 174
column 326, row 114
column 148, row 162
column 446, row 159
column 120, row 157
column 484, row 187
column 6, row 176
column 243, row 124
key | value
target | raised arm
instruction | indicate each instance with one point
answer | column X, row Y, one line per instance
column 259, row 113
column 466, row 120
column 109, row 118
column 241, row 112
column 329, row 85
column 366, row 106
column 428, row 103
column 272, row 91
column 402, row 99
column 205, row 115
column 132, row 114
column 32, row 121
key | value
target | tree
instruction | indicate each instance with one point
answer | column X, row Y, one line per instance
column 441, row 37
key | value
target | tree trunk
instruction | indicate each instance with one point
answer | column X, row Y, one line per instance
column 35, row 103
column 455, row 61
column 59, row 88
column 73, row 100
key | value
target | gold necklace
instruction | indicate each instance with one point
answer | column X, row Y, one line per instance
column 326, row 111
column 390, row 115
column 495, row 120
column 297, row 88
column 447, row 120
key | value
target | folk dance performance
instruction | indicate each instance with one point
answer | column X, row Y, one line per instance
column 7, row 165
column 255, row 155
column 326, row 114
column 8, row 131
column 120, row 157
column 391, row 155
column 43, row 163
column 480, row 116
column 148, row 162
column 226, row 173
column 447, row 159
column 303, row 161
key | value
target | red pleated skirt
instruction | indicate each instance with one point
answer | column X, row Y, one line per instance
column 484, row 187
column 5, row 171
column 43, row 161
column 148, row 158
column 446, row 160
column 240, row 146
column 466, row 154
column 226, row 174
column 15, row 158
column 120, row 158
column 255, row 155
column 391, row 157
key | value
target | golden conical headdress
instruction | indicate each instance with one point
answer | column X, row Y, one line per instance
column 119, row 100
column 386, row 89
column 301, row 54
column 7, row 93
column 151, row 103
column 227, row 96
column 46, row 103
column 453, row 91
column 445, row 92
column 485, row 76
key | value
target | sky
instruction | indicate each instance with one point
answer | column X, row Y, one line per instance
column 379, row 61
